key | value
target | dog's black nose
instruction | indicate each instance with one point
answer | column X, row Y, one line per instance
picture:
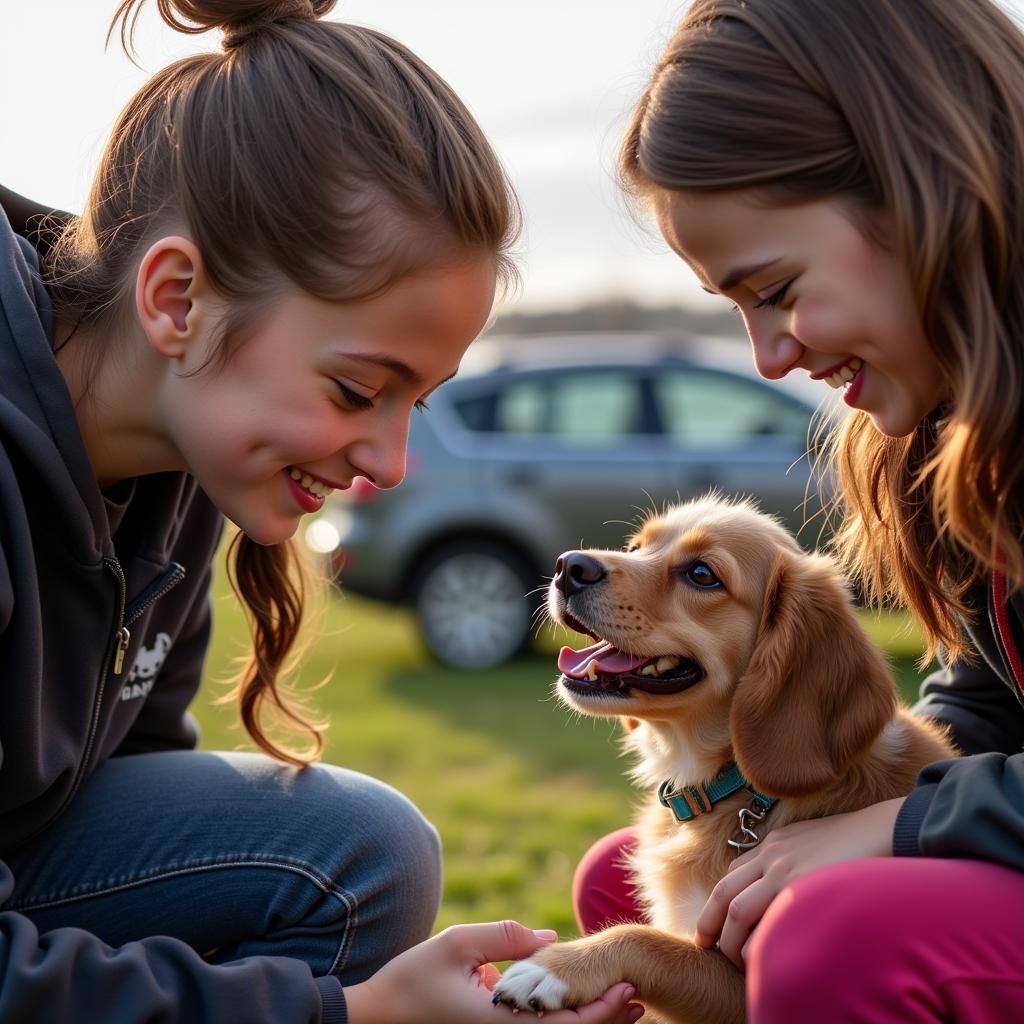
column 575, row 571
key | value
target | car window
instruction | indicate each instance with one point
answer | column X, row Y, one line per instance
column 576, row 407
column 716, row 409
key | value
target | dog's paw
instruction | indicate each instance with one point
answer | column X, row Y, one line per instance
column 529, row 986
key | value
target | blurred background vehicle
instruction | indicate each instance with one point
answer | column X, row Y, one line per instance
column 544, row 444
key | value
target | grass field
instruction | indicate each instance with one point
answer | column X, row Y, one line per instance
column 517, row 787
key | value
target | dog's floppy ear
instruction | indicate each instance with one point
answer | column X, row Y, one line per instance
column 816, row 691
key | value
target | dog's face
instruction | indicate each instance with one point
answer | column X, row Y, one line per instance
column 714, row 621
column 678, row 611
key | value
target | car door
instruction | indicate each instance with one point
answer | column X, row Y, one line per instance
column 720, row 430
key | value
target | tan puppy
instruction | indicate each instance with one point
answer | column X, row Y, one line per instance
column 722, row 643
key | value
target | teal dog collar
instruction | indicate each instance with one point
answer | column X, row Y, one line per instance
column 689, row 802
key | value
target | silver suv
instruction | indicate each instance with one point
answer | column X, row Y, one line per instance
column 544, row 444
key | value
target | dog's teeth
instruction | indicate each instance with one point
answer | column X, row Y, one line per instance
column 666, row 663
column 592, row 671
column 648, row 670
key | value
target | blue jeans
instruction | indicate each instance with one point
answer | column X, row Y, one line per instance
column 238, row 855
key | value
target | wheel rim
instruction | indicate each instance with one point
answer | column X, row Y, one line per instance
column 473, row 611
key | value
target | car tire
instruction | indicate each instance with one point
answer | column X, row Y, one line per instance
column 472, row 603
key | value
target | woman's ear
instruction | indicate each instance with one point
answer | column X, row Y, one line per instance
column 816, row 692
column 169, row 295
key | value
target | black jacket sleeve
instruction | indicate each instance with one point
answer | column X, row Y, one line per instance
column 981, row 710
column 971, row 806
column 968, row 807
column 69, row 975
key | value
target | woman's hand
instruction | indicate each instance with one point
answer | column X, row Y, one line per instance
column 449, row 980
column 740, row 899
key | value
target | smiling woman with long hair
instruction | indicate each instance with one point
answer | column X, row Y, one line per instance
column 849, row 175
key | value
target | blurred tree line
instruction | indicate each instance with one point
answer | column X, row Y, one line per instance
column 621, row 315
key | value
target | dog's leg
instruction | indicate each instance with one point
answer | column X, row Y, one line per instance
column 677, row 979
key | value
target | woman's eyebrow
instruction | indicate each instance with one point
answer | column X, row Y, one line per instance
column 397, row 367
column 738, row 274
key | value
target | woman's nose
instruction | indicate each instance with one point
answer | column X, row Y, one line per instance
column 775, row 349
column 381, row 459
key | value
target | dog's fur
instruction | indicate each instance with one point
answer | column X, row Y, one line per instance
column 792, row 691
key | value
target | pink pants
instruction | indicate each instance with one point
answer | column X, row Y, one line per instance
column 886, row 941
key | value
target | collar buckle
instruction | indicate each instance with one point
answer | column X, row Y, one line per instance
column 689, row 802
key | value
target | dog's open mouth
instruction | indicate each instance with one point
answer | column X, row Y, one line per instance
column 606, row 669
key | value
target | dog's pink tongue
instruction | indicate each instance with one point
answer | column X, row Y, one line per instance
column 608, row 659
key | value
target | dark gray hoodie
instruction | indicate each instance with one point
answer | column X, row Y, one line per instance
column 104, row 622
column 974, row 806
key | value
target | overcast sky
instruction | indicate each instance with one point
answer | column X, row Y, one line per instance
column 551, row 81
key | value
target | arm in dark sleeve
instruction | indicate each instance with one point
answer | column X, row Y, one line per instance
column 69, row 975
column 971, row 806
column 966, row 807
column 982, row 712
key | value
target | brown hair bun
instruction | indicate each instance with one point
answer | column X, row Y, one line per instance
column 237, row 19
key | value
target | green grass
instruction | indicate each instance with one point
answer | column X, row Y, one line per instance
column 517, row 787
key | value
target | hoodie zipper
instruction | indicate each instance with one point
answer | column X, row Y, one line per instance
column 125, row 616
column 172, row 576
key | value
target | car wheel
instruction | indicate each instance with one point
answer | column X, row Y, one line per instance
column 472, row 605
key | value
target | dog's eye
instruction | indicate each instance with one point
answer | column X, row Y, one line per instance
column 701, row 575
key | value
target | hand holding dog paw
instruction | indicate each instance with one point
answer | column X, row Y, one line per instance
column 529, row 985
column 741, row 898
column 450, row 978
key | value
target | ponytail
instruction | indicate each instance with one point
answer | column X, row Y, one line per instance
column 272, row 583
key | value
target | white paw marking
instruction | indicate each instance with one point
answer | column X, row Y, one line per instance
column 526, row 981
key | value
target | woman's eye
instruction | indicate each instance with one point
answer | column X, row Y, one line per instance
column 354, row 399
column 775, row 298
column 701, row 575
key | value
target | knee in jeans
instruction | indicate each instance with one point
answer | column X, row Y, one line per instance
column 388, row 853
column 410, row 845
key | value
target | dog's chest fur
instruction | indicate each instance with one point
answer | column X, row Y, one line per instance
column 676, row 865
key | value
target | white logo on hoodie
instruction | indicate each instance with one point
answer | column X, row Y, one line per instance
column 146, row 666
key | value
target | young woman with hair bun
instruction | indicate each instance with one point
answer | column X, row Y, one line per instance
column 849, row 176
column 288, row 245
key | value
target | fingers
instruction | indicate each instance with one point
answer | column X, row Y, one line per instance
column 499, row 940
column 745, row 911
column 717, row 909
column 614, row 1007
